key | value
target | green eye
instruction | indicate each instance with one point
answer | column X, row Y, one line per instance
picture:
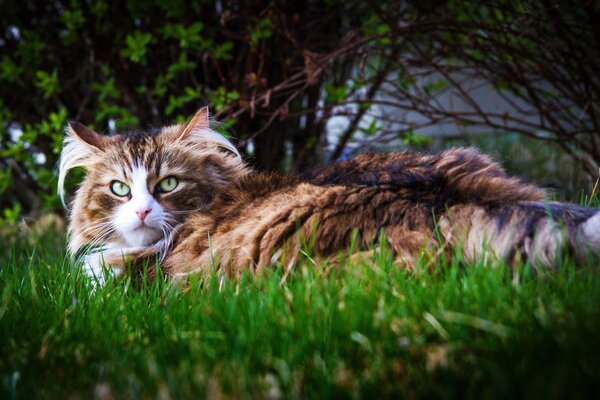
column 167, row 185
column 119, row 188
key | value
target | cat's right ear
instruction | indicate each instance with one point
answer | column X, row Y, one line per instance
column 86, row 135
column 80, row 149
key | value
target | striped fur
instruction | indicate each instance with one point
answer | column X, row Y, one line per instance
column 96, row 214
column 407, row 196
column 243, row 219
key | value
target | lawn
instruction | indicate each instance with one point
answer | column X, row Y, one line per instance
column 359, row 330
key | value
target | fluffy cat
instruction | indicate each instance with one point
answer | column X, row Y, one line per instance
column 184, row 195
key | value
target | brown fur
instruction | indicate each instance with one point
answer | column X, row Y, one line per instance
column 162, row 155
column 420, row 202
column 404, row 195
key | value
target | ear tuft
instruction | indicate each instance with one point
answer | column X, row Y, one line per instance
column 198, row 132
column 198, row 123
column 86, row 135
column 80, row 149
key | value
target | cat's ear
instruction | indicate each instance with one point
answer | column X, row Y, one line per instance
column 198, row 123
column 80, row 149
column 86, row 135
column 198, row 132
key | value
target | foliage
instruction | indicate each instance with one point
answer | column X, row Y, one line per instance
column 540, row 58
column 278, row 72
column 367, row 329
column 118, row 65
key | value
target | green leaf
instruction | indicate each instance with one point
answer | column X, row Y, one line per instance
column 73, row 19
column 436, row 86
column 9, row 71
column 6, row 179
column 224, row 51
column 99, row 8
column 182, row 64
column 175, row 102
column 371, row 129
column 47, row 82
column 106, row 90
column 221, row 97
column 137, row 46
column 12, row 215
column 189, row 37
column 335, row 94
column 263, row 30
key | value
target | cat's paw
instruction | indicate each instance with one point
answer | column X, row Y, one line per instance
column 95, row 268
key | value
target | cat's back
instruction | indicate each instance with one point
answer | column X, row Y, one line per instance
column 450, row 176
column 394, row 193
column 455, row 176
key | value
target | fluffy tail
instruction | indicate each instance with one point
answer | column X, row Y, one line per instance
column 541, row 233
column 589, row 233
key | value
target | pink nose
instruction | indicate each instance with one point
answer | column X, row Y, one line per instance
column 143, row 214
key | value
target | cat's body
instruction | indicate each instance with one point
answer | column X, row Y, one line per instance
column 404, row 195
column 222, row 214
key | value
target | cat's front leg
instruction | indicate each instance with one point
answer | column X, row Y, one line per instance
column 110, row 261
column 100, row 265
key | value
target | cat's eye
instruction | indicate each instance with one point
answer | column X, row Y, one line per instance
column 119, row 188
column 167, row 185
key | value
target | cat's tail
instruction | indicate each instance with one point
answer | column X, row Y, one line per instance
column 589, row 233
column 542, row 233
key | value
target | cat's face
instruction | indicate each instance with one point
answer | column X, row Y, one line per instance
column 139, row 187
column 142, row 188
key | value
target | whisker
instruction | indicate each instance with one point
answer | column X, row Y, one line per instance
column 95, row 242
column 96, row 226
column 100, row 237
column 103, row 234
column 95, row 230
column 172, row 222
column 103, row 219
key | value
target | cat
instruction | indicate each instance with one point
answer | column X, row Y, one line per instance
column 183, row 197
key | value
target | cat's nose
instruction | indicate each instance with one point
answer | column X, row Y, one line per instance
column 143, row 213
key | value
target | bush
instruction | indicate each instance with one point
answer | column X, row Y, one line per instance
column 276, row 73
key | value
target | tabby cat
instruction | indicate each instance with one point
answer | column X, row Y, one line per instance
column 183, row 195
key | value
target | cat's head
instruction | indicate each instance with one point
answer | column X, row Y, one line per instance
column 139, row 186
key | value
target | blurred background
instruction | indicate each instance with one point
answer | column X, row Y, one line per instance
column 297, row 83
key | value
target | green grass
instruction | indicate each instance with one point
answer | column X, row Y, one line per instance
column 451, row 331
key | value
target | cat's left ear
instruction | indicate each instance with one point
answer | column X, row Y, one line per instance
column 86, row 135
column 198, row 132
column 198, row 123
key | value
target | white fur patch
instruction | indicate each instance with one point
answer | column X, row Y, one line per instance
column 135, row 231
column 94, row 266
column 591, row 232
column 101, row 264
column 547, row 243
column 75, row 153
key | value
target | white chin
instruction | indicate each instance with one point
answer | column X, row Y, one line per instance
column 143, row 236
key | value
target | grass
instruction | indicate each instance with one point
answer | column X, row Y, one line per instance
column 360, row 331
